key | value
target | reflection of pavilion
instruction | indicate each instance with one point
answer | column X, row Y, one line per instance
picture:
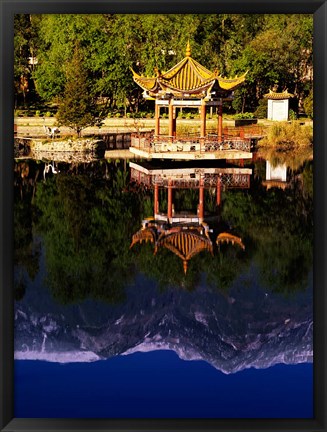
column 184, row 233
column 188, row 177
column 188, row 84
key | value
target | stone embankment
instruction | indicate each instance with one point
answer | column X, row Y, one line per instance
column 67, row 145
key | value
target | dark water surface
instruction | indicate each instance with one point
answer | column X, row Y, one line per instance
column 179, row 319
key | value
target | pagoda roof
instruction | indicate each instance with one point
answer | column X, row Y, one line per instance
column 278, row 95
column 188, row 78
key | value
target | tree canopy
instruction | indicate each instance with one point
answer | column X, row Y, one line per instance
column 275, row 49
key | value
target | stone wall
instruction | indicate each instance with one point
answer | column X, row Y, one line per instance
column 67, row 145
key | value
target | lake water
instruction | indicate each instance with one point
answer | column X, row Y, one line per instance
column 155, row 290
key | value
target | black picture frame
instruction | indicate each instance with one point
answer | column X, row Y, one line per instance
column 10, row 7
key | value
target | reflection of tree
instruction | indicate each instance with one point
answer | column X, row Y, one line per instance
column 281, row 226
column 86, row 224
column 227, row 264
column 87, row 219
column 165, row 267
column 26, row 251
column 294, row 159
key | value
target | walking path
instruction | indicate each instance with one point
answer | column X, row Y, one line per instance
column 34, row 126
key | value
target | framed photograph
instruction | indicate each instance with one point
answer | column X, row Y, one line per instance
column 163, row 207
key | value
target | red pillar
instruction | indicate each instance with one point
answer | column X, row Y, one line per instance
column 171, row 118
column 156, row 199
column 203, row 119
column 218, row 191
column 157, row 119
column 201, row 199
column 220, row 122
column 174, row 122
column 170, row 200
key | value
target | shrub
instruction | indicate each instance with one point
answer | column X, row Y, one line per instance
column 292, row 115
column 308, row 105
column 246, row 115
column 37, row 113
column 262, row 109
column 186, row 129
column 288, row 135
column 189, row 115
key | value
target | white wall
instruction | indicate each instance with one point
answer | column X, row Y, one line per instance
column 278, row 109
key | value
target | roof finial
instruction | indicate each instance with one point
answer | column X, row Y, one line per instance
column 188, row 49
column 185, row 266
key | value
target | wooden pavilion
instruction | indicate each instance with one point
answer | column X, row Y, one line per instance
column 188, row 84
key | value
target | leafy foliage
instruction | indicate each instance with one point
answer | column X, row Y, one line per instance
column 275, row 49
column 308, row 104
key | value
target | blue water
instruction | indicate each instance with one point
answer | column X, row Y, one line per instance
column 160, row 385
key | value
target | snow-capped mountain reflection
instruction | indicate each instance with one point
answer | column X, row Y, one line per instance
column 247, row 328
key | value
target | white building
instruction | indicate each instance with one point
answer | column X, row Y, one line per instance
column 278, row 105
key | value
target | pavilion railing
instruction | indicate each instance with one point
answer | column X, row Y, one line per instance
column 210, row 143
column 249, row 131
column 227, row 180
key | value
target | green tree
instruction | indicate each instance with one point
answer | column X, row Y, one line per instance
column 279, row 54
column 77, row 106
column 274, row 48
column 25, row 49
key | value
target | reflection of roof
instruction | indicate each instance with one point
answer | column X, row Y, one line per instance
column 278, row 96
column 227, row 237
column 275, row 183
column 145, row 234
column 185, row 244
column 186, row 78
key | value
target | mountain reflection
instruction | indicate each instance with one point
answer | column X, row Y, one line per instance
column 223, row 274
